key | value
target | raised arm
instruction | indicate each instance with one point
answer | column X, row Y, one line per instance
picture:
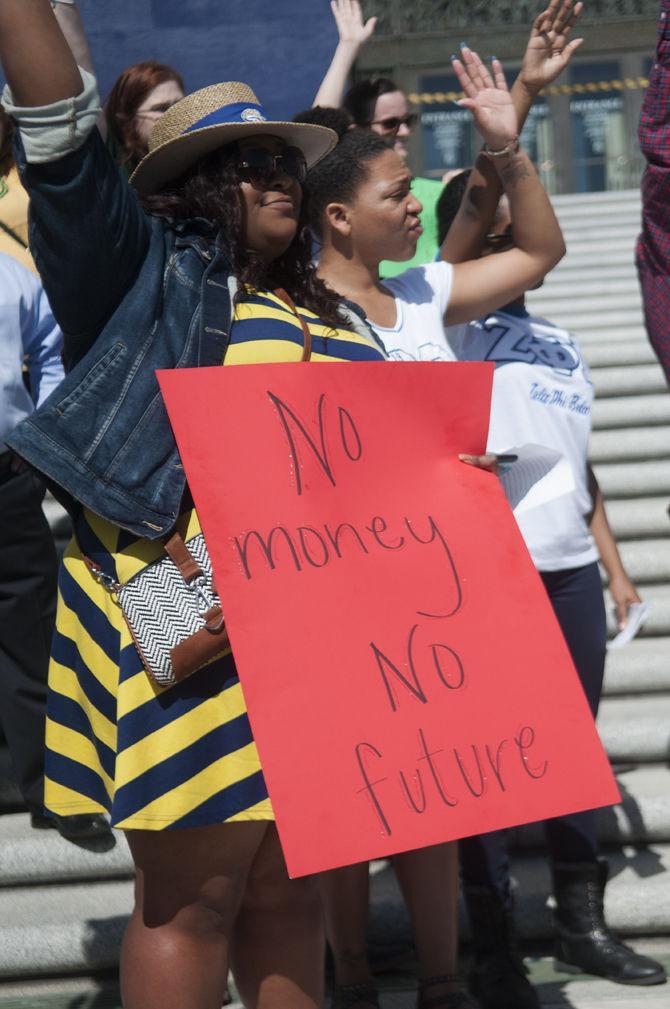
column 547, row 54
column 482, row 285
column 68, row 16
column 88, row 233
column 37, row 61
column 353, row 33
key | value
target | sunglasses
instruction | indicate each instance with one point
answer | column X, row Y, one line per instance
column 393, row 123
column 257, row 164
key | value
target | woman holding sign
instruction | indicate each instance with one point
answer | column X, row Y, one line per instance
column 202, row 268
column 364, row 212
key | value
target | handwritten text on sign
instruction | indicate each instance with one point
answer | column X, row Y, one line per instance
column 406, row 680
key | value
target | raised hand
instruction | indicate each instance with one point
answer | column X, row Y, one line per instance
column 548, row 51
column 487, row 97
column 349, row 20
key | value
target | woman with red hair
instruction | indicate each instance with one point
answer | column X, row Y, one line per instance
column 139, row 97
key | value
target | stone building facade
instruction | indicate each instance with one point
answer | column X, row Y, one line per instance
column 582, row 132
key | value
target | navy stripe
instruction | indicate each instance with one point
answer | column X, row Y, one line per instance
column 66, row 712
column 130, row 663
column 175, row 770
column 92, row 547
column 89, row 616
column 65, row 651
column 260, row 328
column 346, row 350
column 226, row 803
column 176, row 701
column 125, row 540
column 252, row 330
column 76, row 777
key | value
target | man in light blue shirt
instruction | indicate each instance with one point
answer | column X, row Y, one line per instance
column 29, row 338
column 30, row 369
column 28, row 332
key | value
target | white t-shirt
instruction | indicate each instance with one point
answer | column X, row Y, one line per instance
column 421, row 297
column 542, row 393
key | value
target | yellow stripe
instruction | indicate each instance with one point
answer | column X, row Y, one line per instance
column 63, row 680
column 136, row 691
column 210, row 781
column 76, row 747
column 102, row 667
column 246, row 311
column 178, row 735
column 263, row 352
column 107, row 533
column 62, row 800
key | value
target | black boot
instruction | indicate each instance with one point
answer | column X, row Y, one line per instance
column 584, row 943
column 498, row 978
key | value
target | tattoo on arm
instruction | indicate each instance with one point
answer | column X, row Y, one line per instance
column 514, row 171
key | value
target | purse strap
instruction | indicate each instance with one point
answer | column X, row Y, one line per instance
column 182, row 557
column 307, row 336
column 176, row 550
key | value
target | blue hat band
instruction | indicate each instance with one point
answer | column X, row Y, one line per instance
column 239, row 112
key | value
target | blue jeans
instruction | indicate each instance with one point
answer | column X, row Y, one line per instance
column 577, row 598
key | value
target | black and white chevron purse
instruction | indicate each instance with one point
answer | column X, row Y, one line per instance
column 172, row 610
column 171, row 607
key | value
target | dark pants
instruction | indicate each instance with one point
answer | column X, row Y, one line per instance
column 577, row 598
column 28, row 572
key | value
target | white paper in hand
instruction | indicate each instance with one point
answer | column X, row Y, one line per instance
column 637, row 614
column 539, row 475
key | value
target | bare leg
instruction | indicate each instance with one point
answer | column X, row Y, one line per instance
column 189, row 888
column 345, row 894
column 428, row 878
column 278, row 944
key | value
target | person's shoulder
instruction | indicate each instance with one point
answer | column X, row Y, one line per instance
column 428, row 275
column 13, row 273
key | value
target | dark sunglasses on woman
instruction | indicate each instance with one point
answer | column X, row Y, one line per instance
column 257, row 164
column 393, row 123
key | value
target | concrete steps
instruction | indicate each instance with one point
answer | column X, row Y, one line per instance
column 642, row 443
column 624, row 380
column 58, row 929
column 63, row 907
column 634, row 479
column 638, row 518
column 631, row 411
column 642, row 667
column 637, row 897
column 31, row 857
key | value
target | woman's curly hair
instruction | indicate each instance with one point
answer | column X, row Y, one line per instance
column 211, row 190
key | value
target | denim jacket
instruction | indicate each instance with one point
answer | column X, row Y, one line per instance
column 132, row 294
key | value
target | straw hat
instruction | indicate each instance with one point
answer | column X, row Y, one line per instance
column 210, row 118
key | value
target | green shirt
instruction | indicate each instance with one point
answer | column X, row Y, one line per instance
column 427, row 192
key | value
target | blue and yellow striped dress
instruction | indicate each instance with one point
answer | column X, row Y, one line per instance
column 158, row 759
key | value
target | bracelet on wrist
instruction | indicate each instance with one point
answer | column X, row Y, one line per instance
column 65, row 3
column 502, row 152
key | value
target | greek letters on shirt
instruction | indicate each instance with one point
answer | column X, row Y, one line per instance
column 529, row 348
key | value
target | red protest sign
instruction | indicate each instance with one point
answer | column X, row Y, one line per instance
column 406, row 679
